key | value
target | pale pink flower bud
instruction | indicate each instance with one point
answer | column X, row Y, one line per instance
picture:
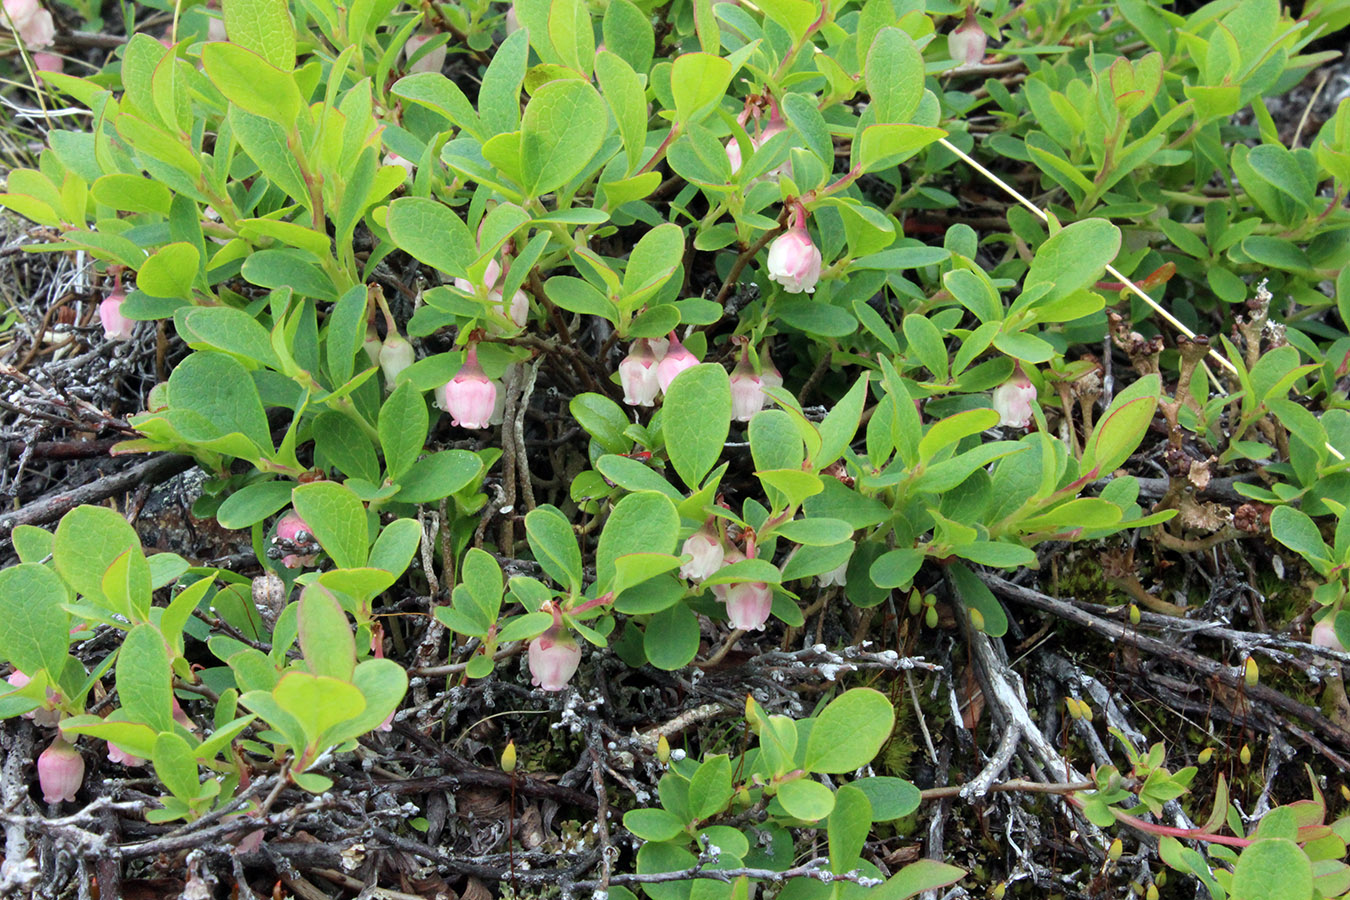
column 118, row 755
column 794, row 262
column 1013, row 399
column 658, row 346
column 554, row 657
column 638, row 375
column 396, row 354
column 48, row 62
column 512, row 20
column 32, row 23
column 676, row 360
column 372, row 344
column 292, row 529
column 116, row 327
column 836, row 576
column 747, row 390
column 215, row 29
column 432, row 62
column 1324, row 635
column 966, row 44
column 60, row 771
column 748, row 605
column 705, row 546
column 491, row 275
column 519, row 310
column 18, row 679
column 769, row 376
column 469, row 397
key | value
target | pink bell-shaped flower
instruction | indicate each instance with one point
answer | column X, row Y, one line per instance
column 638, row 375
column 1013, row 399
column 836, row 576
column 748, row 605
column 1324, row 635
column 966, row 44
column 396, row 354
column 705, row 546
column 747, row 390
column 432, row 62
column 769, row 376
column 469, row 397
column 554, row 657
column 794, row 262
column 49, row 62
column 291, row 529
column 118, row 755
column 675, row 361
column 32, row 23
column 116, row 326
column 60, row 771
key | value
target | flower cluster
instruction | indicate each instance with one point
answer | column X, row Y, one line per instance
column 649, row 368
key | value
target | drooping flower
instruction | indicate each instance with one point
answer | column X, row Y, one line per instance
column 494, row 278
column 1013, row 399
column 292, row 530
column 747, row 390
column 967, row 42
column 118, row 755
column 49, row 62
column 729, row 555
column 469, row 397
column 794, row 262
column 396, row 354
column 32, row 23
column 432, row 62
column 836, row 576
column 116, row 326
column 638, row 375
column 705, row 546
column 675, row 361
column 60, row 771
column 554, row 656
column 748, row 605
column 1324, row 635
column 769, row 376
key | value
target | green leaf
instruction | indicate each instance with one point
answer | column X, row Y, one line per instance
column 170, row 272
column 36, row 633
column 563, row 128
column 403, row 429
column 1122, row 427
column 569, row 28
column 841, row 424
column 326, row 638
column 894, row 73
column 671, row 639
column 253, row 84
column 622, row 89
column 652, row 824
column 883, row 145
column 214, row 396
column 1273, row 869
column 697, row 419
column 126, row 585
column 1299, row 533
column 338, row 520
column 176, row 765
column 144, row 680
column 436, row 92
column 340, row 442
column 917, row 877
column 698, row 81
column 796, row 16
column 263, row 26
column 554, row 545
column 710, row 787
column 644, row 522
column 438, row 475
column 808, row 800
column 890, row 798
column 430, row 233
column 815, row 532
column 975, row 595
column 603, row 419
column 652, row 262
column 228, row 329
column 88, row 541
column 850, row 821
column 1073, row 258
column 318, row 703
column 849, row 732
